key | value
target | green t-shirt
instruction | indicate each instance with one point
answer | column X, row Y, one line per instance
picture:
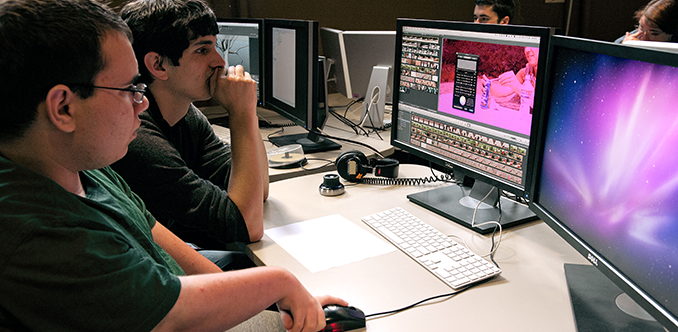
column 69, row 263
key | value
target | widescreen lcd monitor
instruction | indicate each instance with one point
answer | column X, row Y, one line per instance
column 606, row 179
column 465, row 95
column 295, row 84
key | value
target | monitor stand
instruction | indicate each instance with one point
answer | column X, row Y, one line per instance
column 310, row 142
column 453, row 202
column 599, row 305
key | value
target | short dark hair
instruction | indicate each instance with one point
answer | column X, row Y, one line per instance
column 503, row 8
column 45, row 43
column 166, row 27
column 664, row 13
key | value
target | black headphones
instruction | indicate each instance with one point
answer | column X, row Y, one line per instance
column 353, row 166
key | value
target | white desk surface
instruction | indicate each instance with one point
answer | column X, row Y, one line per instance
column 530, row 295
column 318, row 162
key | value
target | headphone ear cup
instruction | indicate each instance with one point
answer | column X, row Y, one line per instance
column 351, row 165
column 386, row 167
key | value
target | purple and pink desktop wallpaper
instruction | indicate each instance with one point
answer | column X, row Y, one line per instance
column 494, row 60
column 610, row 166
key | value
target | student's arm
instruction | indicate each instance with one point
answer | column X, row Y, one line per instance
column 248, row 182
column 217, row 302
column 190, row 260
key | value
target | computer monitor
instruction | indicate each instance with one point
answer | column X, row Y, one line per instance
column 444, row 112
column 295, row 86
column 605, row 178
column 655, row 45
column 354, row 55
column 239, row 42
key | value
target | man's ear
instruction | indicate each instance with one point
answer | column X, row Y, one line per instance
column 154, row 63
column 59, row 106
column 504, row 20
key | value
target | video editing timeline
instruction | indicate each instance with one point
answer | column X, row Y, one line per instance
column 483, row 152
column 420, row 64
column 445, row 91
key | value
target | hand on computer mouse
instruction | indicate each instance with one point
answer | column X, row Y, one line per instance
column 342, row 318
column 306, row 318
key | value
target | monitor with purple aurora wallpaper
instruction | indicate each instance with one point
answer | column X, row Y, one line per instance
column 606, row 177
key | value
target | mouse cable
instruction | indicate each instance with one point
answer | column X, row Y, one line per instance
column 418, row 303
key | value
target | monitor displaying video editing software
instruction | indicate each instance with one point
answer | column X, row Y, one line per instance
column 239, row 42
column 466, row 95
column 606, row 179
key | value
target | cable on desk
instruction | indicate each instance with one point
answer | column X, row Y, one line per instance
column 361, row 99
column 352, row 142
column 329, row 162
column 420, row 302
column 331, row 137
column 494, row 248
column 402, row 181
column 349, row 123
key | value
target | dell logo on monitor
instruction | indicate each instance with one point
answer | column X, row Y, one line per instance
column 592, row 259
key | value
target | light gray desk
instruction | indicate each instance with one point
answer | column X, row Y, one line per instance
column 530, row 295
column 317, row 162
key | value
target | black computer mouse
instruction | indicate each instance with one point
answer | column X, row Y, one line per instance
column 339, row 318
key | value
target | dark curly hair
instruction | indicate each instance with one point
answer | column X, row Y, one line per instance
column 166, row 27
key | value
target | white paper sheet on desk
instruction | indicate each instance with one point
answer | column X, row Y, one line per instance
column 327, row 242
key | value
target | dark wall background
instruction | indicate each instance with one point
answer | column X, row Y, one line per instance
column 595, row 19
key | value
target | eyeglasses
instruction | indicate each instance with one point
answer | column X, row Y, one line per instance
column 137, row 91
column 653, row 32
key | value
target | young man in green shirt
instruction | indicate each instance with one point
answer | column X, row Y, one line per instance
column 78, row 250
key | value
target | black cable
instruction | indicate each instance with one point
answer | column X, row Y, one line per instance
column 332, row 137
column 374, row 130
column 353, row 103
column 349, row 123
column 449, row 177
column 352, row 142
column 402, row 181
column 418, row 303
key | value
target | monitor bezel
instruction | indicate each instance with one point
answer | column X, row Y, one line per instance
column 306, row 97
column 543, row 32
column 643, row 299
column 260, row 23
